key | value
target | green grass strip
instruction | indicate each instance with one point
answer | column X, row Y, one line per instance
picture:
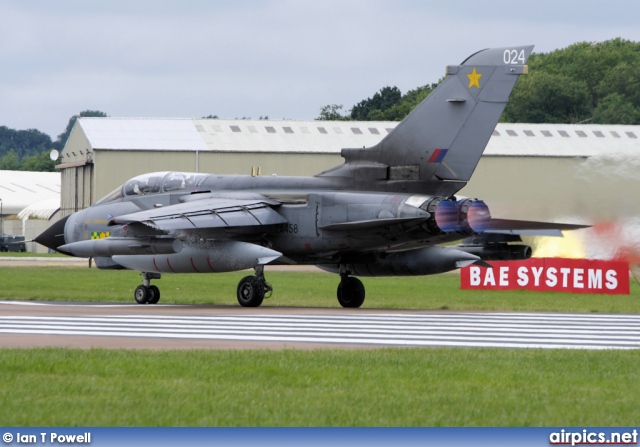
column 303, row 289
column 378, row 387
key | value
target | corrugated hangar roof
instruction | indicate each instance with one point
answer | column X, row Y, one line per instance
column 142, row 134
column 230, row 135
column 290, row 136
column 19, row 189
column 43, row 209
column 562, row 140
column 217, row 135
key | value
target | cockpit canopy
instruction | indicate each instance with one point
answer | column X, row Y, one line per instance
column 156, row 182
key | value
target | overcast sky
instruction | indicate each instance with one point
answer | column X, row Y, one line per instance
column 251, row 58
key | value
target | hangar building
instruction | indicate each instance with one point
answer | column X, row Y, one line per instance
column 27, row 201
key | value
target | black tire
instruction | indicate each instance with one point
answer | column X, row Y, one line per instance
column 350, row 292
column 250, row 291
column 141, row 295
column 154, row 295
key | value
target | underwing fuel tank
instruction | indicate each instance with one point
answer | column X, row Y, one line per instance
column 499, row 252
column 122, row 246
column 496, row 247
column 424, row 261
column 221, row 256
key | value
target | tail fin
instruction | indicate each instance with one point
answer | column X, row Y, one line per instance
column 443, row 138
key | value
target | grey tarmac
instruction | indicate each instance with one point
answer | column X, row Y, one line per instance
column 130, row 326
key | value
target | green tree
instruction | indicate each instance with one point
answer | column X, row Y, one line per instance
column 590, row 62
column 602, row 68
column 615, row 109
column 389, row 104
column 23, row 142
column 331, row 112
column 543, row 97
column 623, row 79
column 10, row 161
column 385, row 99
column 407, row 103
column 41, row 162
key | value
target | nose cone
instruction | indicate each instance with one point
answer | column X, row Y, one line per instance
column 53, row 237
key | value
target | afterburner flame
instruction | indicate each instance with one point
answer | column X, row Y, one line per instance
column 614, row 240
column 569, row 246
column 618, row 240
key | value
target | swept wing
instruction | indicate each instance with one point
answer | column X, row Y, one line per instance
column 207, row 213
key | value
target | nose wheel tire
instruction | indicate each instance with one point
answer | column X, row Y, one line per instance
column 251, row 291
column 350, row 292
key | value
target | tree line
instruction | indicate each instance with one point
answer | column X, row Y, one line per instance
column 587, row 82
column 28, row 150
column 596, row 83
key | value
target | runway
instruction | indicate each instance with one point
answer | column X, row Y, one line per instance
column 24, row 324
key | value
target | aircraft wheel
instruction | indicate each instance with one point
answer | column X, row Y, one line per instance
column 154, row 295
column 250, row 291
column 141, row 295
column 350, row 292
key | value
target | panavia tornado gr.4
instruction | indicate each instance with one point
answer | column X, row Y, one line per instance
column 385, row 211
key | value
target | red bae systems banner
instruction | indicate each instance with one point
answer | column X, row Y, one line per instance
column 550, row 274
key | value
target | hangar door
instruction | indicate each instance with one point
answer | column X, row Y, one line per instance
column 77, row 187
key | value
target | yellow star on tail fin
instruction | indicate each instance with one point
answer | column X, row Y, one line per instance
column 474, row 78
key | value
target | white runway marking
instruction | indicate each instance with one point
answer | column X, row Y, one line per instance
column 504, row 330
column 62, row 304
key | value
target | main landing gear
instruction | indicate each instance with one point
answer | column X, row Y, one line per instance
column 253, row 289
column 146, row 293
column 350, row 290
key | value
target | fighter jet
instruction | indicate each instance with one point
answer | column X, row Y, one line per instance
column 386, row 210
